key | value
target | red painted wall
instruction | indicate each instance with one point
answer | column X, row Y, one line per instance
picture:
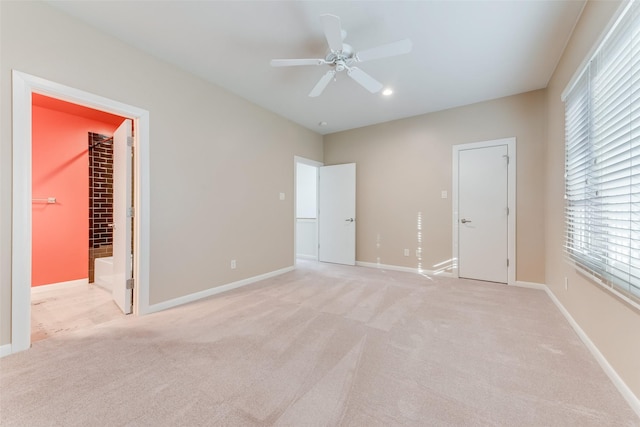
column 60, row 169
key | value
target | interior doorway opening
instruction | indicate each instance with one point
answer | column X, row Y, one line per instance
column 306, row 209
column 72, row 216
column 24, row 86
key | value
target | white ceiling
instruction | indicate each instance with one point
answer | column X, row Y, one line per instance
column 463, row 51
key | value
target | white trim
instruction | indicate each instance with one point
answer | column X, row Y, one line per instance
column 618, row 382
column 23, row 87
column 309, row 257
column 596, row 46
column 511, row 201
column 530, row 285
column 216, row 290
column 318, row 165
column 21, row 218
column 298, row 159
column 420, row 271
column 59, row 285
column 5, row 350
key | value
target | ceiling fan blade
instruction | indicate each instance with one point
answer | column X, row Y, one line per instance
column 385, row 50
column 364, row 79
column 322, row 83
column 295, row 62
column 332, row 31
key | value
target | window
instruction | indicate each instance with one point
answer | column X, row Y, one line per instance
column 602, row 164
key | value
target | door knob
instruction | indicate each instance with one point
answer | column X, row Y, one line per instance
column 464, row 221
column 349, row 219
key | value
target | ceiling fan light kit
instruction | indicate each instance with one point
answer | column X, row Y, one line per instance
column 342, row 57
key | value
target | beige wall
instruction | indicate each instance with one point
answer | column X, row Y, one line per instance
column 218, row 162
column 612, row 326
column 402, row 167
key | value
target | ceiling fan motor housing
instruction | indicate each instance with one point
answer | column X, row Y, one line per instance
column 341, row 59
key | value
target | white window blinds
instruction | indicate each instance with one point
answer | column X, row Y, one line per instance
column 602, row 179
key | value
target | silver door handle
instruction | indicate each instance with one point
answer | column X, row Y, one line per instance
column 349, row 219
column 464, row 221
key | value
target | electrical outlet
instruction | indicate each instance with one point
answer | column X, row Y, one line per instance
column 406, row 252
column 233, row 264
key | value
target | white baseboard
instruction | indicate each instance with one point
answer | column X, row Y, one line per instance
column 404, row 269
column 214, row 291
column 530, row 285
column 309, row 257
column 5, row 350
column 626, row 392
column 60, row 285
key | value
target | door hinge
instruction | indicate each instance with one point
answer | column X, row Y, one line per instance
column 507, row 262
column 130, row 212
column 129, row 141
column 507, row 211
column 506, row 156
column 130, row 283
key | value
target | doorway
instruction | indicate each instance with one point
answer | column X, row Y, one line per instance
column 306, row 209
column 24, row 86
column 484, row 211
column 72, row 215
column 328, row 195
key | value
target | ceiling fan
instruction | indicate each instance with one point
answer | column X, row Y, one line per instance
column 342, row 57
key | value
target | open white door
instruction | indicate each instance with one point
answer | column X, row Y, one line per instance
column 483, row 213
column 122, row 212
column 337, row 214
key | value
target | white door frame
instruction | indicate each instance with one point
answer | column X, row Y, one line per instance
column 296, row 160
column 24, row 85
column 511, row 203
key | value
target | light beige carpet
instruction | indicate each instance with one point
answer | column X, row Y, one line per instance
column 323, row 345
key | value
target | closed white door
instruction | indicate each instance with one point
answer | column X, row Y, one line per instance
column 483, row 213
column 122, row 213
column 337, row 214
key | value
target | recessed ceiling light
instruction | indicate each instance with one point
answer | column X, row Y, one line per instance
column 322, row 124
column 387, row 92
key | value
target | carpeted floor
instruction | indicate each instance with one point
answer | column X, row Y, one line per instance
column 323, row 345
